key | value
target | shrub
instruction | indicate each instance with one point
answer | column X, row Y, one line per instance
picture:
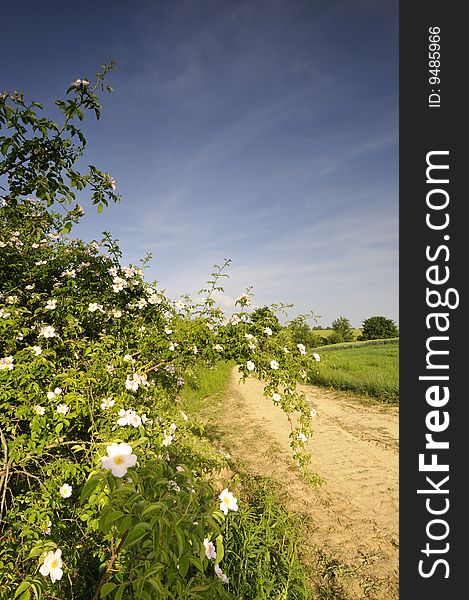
column 103, row 488
column 377, row 328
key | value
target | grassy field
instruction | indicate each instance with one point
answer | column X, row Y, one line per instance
column 369, row 368
column 328, row 332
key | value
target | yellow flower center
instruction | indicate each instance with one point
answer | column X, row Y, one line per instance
column 54, row 564
column 118, row 459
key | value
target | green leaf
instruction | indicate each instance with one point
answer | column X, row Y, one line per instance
column 135, row 534
column 183, row 566
column 151, row 507
column 89, row 487
column 109, row 519
column 107, row 589
column 180, row 540
column 156, row 585
column 25, row 585
column 220, row 549
column 120, row 592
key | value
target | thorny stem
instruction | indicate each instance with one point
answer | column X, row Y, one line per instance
column 5, row 476
column 110, row 564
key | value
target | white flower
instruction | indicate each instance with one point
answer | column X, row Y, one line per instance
column 37, row 350
column 276, row 397
column 132, row 383
column 118, row 284
column 47, row 331
column 128, row 358
column 124, row 417
column 301, row 348
column 113, row 271
column 209, row 549
column 116, row 313
column 52, row 565
column 184, row 416
column 250, row 366
column 30, row 287
column 94, row 306
column 107, row 403
column 302, row 437
column 135, row 420
column 167, row 439
column 52, row 395
column 172, row 428
column 141, row 303
column 268, row 331
column 4, row 314
column 110, row 369
column 68, row 273
column 224, row 579
column 274, row 364
column 40, row 262
column 316, row 356
column 6, row 363
column 313, row 412
column 62, row 409
column 303, row 374
column 154, row 299
column 47, row 528
column 51, row 304
column 235, row 320
column 243, row 299
column 228, row 501
column 66, row 490
column 174, row 486
column 111, row 182
column 218, row 348
column 179, row 469
column 286, row 350
column 119, row 459
column 11, row 299
column 195, row 350
column 168, row 330
column 39, row 410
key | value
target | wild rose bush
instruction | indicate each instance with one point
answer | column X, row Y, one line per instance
column 105, row 489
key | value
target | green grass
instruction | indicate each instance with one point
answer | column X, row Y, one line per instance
column 368, row 368
column 328, row 332
column 208, row 382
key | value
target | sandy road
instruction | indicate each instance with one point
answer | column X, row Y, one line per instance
column 354, row 516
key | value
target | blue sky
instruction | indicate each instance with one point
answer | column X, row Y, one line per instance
column 265, row 131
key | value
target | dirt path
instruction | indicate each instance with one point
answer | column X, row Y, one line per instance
column 352, row 520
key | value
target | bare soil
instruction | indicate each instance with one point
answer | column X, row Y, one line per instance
column 352, row 519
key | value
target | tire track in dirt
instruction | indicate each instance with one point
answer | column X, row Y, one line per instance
column 353, row 518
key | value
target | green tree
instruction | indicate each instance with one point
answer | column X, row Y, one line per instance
column 342, row 331
column 378, row 328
